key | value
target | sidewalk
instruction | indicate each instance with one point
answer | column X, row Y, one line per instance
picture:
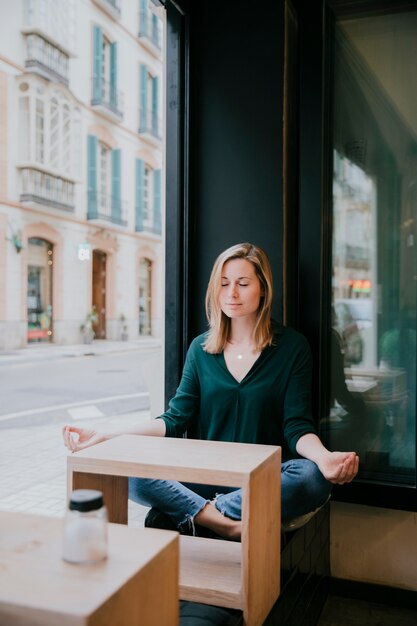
column 33, row 459
column 40, row 351
column 33, row 468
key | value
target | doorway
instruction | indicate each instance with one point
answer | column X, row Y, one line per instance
column 145, row 296
column 39, row 290
column 99, row 292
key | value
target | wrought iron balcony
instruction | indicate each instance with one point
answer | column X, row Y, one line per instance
column 46, row 59
column 107, row 97
column 105, row 207
column 46, row 189
column 150, row 124
column 150, row 29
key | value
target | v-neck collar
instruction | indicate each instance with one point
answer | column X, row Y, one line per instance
column 278, row 329
column 254, row 366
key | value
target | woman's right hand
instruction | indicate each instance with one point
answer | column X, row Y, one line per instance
column 79, row 438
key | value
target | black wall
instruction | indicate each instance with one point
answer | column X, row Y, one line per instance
column 235, row 139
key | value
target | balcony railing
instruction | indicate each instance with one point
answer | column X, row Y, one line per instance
column 106, row 207
column 47, row 189
column 106, row 95
column 150, row 123
column 110, row 6
column 148, row 227
column 45, row 59
column 150, row 29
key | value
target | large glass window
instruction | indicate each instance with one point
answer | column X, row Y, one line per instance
column 374, row 270
column 49, row 128
column 145, row 296
column 39, row 290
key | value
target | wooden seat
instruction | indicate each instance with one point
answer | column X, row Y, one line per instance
column 242, row 575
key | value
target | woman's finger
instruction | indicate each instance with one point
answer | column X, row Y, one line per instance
column 66, row 435
column 349, row 470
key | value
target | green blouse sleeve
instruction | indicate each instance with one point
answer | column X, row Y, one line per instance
column 298, row 420
column 184, row 406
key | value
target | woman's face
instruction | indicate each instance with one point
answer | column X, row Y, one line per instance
column 240, row 290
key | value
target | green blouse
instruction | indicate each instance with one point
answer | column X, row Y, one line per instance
column 271, row 405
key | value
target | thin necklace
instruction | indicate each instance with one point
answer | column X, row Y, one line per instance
column 239, row 355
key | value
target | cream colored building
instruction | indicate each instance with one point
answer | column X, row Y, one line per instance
column 81, row 162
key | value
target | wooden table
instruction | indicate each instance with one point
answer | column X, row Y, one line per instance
column 136, row 585
column 242, row 575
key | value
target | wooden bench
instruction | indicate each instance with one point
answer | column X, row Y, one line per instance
column 137, row 585
column 242, row 575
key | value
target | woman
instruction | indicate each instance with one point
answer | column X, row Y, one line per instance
column 247, row 380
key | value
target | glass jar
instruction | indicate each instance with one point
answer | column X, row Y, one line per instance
column 85, row 527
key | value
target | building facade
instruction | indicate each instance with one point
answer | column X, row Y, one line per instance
column 81, row 157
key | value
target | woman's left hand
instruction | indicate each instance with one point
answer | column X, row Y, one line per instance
column 339, row 467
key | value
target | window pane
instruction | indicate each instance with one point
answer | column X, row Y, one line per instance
column 373, row 340
column 39, row 136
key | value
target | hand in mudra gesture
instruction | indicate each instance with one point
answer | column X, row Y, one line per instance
column 76, row 439
column 339, row 467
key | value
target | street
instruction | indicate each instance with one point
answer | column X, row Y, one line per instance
column 37, row 393
column 42, row 391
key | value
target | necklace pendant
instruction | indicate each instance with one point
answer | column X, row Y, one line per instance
column 240, row 356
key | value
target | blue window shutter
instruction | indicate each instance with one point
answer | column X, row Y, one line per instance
column 143, row 122
column 140, row 171
column 113, row 75
column 116, row 204
column 155, row 30
column 155, row 97
column 97, row 64
column 157, row 221
column 143, row 18
column 92, row 145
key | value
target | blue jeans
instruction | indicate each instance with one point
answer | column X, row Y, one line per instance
column 303, row 489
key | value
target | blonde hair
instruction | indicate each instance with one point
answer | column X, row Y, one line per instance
column 220, row 324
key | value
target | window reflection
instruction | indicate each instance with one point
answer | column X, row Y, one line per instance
column 373, row 335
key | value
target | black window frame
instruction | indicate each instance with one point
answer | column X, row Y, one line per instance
column 315, row 215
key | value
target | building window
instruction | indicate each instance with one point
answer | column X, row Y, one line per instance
column 39, row 131
column 374, row 298
column 104, row 178
column 104, row 183
column 149, row 116
column 150, row 31
column 105, row 93
column 147, row 213
column 48, row 129
column 49, row 145
column 148, row 198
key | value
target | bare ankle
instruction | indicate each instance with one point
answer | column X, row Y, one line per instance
column 210, row 517
column 233, row 530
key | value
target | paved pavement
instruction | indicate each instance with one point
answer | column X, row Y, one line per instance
column 33, row 458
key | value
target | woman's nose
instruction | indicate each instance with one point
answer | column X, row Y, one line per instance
column 233, row 291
